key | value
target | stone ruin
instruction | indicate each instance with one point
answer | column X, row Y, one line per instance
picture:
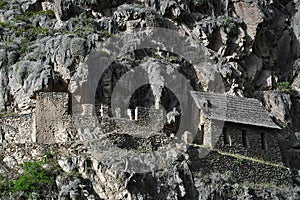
column 231, row 124
column 53, row 122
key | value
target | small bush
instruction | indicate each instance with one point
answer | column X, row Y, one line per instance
column 105, row 33
column 34, row 178
column 50, row 13
column 297, row 134
column 227, row 22
column 169, row 58
column 23, row 18
column 4, row 185
column 239, row 161
column 5, row 24
column 284, row 86
column 28, row 14
column 7, row 114
column 73, row 174
column 2, row 4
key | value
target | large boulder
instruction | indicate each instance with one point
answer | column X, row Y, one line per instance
column 251, row 14
column 26, row 78
column 279, row 104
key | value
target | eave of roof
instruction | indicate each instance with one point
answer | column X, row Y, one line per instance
column 247, row 123
column 234, row 109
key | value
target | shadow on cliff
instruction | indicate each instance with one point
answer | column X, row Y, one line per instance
column 278, row 46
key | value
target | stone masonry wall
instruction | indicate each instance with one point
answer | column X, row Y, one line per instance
column 129, row 126
column 51, row 123
column 149, row 122
column 16, row 129
column 254, row 148
column 86, row 127
column 50, row 117
column 89, row 127
column 238, row 169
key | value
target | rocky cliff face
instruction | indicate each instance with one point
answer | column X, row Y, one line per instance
column 254, row 45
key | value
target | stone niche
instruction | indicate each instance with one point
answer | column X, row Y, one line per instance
column 51, row 119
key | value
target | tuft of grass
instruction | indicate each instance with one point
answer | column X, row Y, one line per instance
column 39, row 31
column 5, row 185
column 73, row 174
column 239, row 161
column 31, row 33
column 7, row 114
column 169, row 58
column 24, row 49
column 105, row 33
column 5, row 24
column 49, row 13
column 284, row 86
column 23, row 18
column 29, row 14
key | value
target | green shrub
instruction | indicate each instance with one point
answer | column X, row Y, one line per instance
column 34, row 178
column 48, row 155
column 73, row 174
column 5, row 24
column 284, row 86
column 227, row 22
column 39, row 31
column 7, row 114
column 4, row 185
column 49, row 13
column 239, row 161
column 105, row 33
column 2, row 4
column 297, row 134
column 169, row 58
column 25, row 16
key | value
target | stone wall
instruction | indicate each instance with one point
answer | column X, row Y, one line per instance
column 51, row 123
column 86, row 127
column 89, row 127
column 130, row 126
column 149, row 122
column 16, row 129
column 238, row 169
column 254, row 147
column 51, row 119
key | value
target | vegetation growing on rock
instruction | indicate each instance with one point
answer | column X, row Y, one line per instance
column 44, row 45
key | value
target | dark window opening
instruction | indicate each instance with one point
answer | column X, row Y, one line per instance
column 227, row 138
column 263, row 141
column 245, row 139
column 201, row 139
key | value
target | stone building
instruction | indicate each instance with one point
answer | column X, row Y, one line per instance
column 236, row 125
column 53, row 122
column 51, row 119
column 228, row 123
column 50, row 122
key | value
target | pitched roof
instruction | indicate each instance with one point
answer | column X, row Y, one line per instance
column 233, row 109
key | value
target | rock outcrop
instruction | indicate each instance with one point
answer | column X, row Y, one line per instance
column 253, row 45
